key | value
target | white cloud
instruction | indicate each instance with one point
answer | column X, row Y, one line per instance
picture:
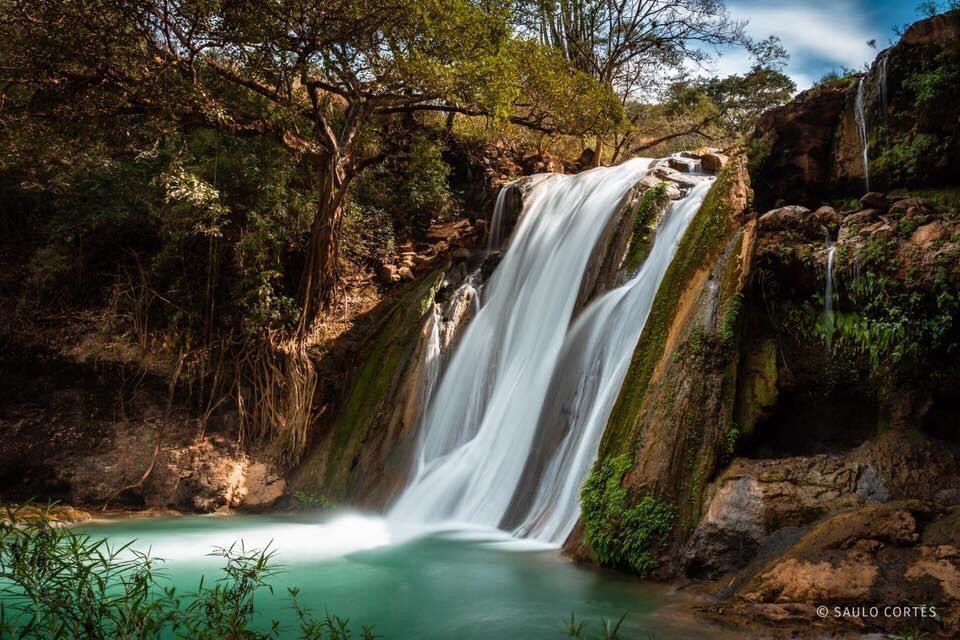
column 817, row 34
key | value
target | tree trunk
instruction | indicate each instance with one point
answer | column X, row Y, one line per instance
column 320, row 280
column 598, row 156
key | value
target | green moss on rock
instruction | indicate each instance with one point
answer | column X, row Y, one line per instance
column 702, row 242
column 393, row 343
column 621, row 535
column 758, row 386
column 652, row 204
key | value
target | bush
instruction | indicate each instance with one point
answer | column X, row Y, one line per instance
column 907, row 161
column 412, row 189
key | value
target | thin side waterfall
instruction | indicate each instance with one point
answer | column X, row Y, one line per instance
column 432, row 357
column 882, row 81
column 482, row 428
column 828, row 316
column 861, row 117
column 496, row 222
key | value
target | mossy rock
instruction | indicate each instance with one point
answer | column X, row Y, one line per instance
column 758, row 388
column 372, row 391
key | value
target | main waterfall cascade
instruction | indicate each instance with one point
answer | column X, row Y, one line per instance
column 525, row 386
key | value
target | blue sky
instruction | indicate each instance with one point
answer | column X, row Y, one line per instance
column 820, row 35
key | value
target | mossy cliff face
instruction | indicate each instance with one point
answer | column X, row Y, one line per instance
column 669, row 426
column 362, row 455
column 811, row 149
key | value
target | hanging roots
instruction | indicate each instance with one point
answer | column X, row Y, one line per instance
column 276, row 383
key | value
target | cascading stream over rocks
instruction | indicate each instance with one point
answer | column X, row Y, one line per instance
column 526, row 387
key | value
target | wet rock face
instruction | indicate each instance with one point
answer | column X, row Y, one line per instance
column 754, row 498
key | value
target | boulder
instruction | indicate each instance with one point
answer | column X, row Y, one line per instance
column 792, row 146
column 682, row 165
column 262, row 486
column 754, row 498
column 788, row 218
column 712, row 162
column 586, row 158
column 828, row 216
column 913, row 466
column 388, row 274
column 904, row 205
column 900, row 554
column 861, row 218
column 928, row 234
column 875, row 200
column 650, row 182
column 406, row 273
column 681, row 179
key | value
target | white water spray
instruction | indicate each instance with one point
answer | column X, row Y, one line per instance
column 480, row 431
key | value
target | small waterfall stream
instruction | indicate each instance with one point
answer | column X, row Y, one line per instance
column 828, row 316
column 861, row 117
column 520, row 360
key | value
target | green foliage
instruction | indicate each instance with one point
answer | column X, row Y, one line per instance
column 558, row 95
column 729, row 318
column 619, row 534
column 609, row 629
column 57, row 583
column 838, row 79
column 730, row 440
column 907, row 161
column 652, row 203
column 934, row 82
column 897, row 329
column 411, row 189
column 307, row 501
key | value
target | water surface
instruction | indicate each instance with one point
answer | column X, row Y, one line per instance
column 465, row 584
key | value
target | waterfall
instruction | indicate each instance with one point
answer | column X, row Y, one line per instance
column 828, row 317
column 861, row 117
column 594, row 362
column 882, row 81
column 483, row 428
column 432, row 356
column 496, row 222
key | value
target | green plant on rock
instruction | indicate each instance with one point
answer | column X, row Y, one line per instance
column 728, row 320
column 907, row 161
column 935, row 82
column 652, row 202
column 621, row 535
column 730, row 440
column 307, row 501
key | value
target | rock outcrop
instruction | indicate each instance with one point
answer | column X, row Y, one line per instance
column 812, row 149
column 884, row 567
column 671, row 428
